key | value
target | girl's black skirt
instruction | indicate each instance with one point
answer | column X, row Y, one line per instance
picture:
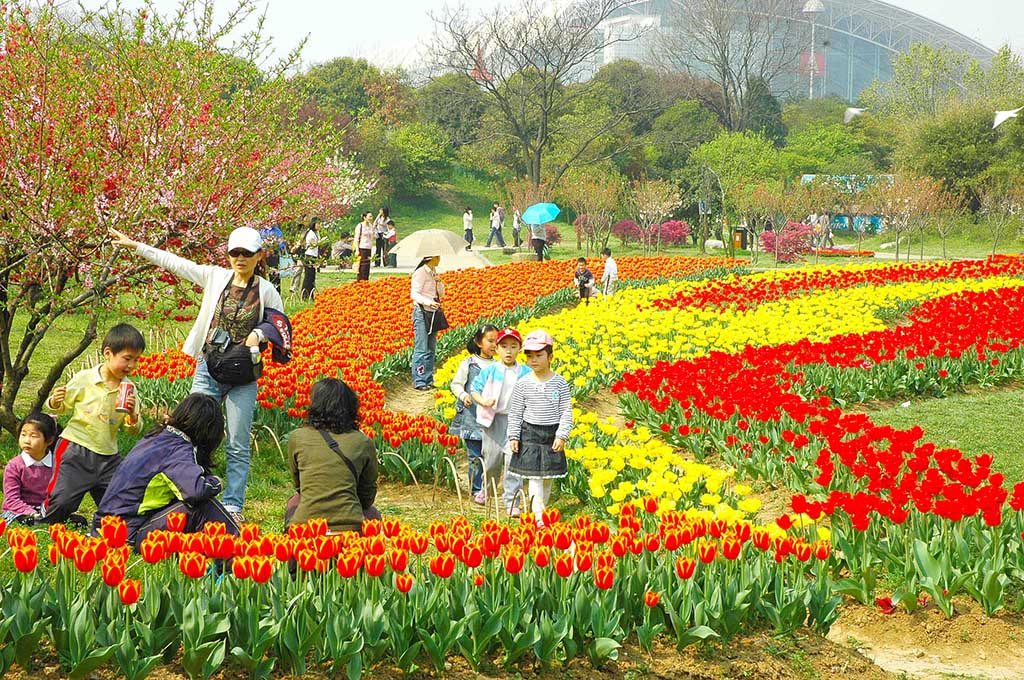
column 536, row 459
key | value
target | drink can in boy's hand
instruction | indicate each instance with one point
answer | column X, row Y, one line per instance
column 124, row 392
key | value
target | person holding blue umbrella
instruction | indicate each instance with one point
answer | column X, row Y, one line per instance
column 537, row 215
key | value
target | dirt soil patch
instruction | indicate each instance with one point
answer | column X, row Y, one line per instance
column 927, row 646
column 803, row 656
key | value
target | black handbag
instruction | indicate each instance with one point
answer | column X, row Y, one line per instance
column 227, row 361
column 434, row 319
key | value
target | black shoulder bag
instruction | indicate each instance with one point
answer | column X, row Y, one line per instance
column 334, row 447
column 230, row 362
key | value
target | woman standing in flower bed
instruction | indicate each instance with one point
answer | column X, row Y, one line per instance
column 168, row 471
column 235, row 301
column 426, row 296
column 339, row 491
column 539, row 421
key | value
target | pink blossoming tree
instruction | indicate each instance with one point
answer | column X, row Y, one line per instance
column 155, row 126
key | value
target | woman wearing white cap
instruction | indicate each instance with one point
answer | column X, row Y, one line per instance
column 234, row 300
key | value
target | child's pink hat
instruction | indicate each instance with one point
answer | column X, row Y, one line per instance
column 509, row 333
column 538, row 340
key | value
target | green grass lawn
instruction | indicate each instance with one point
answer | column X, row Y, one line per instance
column 981, row 421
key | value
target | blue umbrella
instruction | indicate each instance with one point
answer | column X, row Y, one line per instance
column 541, row 213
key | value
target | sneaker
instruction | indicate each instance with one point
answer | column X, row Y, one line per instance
column 514, row 511
column 480, row 498
column 237, row 517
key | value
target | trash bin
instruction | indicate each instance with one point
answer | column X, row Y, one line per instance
column 392, row 260
column 739, row 238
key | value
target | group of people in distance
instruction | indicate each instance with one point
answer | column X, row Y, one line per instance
column 514, row 418
column 496, row 225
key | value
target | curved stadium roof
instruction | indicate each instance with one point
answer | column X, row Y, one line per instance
column 860, row 38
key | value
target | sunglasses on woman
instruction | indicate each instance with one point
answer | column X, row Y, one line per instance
column 241, row 252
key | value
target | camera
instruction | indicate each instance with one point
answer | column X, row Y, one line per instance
column 220, row 339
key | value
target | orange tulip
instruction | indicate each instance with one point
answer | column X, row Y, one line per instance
column 604, row 577
column 192, row 564
column 112, row 571
column 261, row 569
column 651, row 598
column 685, row 566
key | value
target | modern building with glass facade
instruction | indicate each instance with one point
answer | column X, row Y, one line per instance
column 855, row 41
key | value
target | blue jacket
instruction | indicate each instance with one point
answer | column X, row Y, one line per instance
column 160, row 470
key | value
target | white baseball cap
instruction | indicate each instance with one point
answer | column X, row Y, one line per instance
column 245, row 238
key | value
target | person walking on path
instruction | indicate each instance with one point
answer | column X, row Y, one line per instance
column 538, row 239
column 467, row 227
column 234, row 302
column 363, row 241
column 273, row 242
column 310, row 255
column 426, row 291
column 380, row 228
column 517, row 228
column 610, row 276
column 496, row 218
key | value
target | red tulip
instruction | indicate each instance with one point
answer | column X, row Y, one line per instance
column 317, row 527
column 564, row 565
column 85, row 557
column 306, row 560
column 129, row 590
column 349, row 563
column 192, row 564
column 240, row 567
column 651, row 598
column 25, row 558
column 442, row 565
column 176, row 521
column 822, row 549
column 685, row 566
column 472, row 556
column 249, row 532
column 706, row 551
column 374, row 565
column 54, row 553
column 261, row 569
column 550, row 516
column 398, row 559
column 114, row 531
column 152, row 549
column 112, row 571
column 478, row 580
column 731, row 547
column 584, row 560
column 542, row 556
column 514, row 561
column 3, row 526
column 604, row 577
column 403, row 582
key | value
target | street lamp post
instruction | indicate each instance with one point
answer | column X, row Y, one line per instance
column 812, row 8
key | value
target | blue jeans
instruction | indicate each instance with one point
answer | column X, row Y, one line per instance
column 423, row 348
column 495, row 233
column 239, row 407
column 475, row 457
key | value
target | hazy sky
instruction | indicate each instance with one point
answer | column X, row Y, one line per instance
column 389, row 31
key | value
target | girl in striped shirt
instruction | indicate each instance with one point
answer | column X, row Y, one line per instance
column 539, row 422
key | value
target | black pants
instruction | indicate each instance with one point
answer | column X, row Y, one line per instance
column 364, row 265
column 76, row 471
column 274, row 267
column 382, row 248
column 538, row 247
column 198, row 515
column 308, row 281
